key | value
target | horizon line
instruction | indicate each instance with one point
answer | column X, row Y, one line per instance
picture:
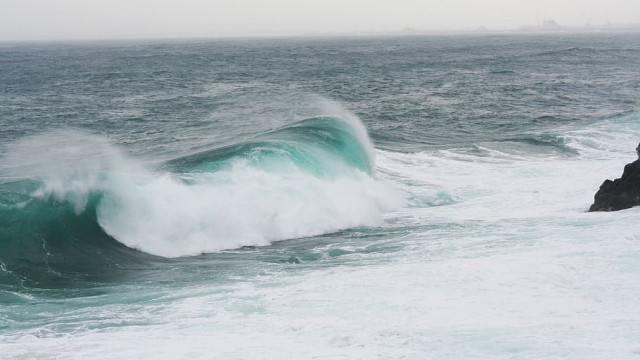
column 406, row 32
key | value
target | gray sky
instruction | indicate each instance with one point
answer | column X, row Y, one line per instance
column 107, row 19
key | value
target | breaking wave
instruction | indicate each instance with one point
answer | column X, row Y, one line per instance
column 72, row 199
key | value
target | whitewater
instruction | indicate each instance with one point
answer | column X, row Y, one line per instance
column 419, row 197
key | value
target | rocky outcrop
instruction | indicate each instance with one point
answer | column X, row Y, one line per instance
column 621, row 193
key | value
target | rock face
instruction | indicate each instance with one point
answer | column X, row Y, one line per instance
column 621, row 193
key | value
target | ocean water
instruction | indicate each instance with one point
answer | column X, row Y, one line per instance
column 365, row 198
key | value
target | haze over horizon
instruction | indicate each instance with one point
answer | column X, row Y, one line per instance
column 129, row 19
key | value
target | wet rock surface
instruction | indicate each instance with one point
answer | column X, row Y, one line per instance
column 619, row 194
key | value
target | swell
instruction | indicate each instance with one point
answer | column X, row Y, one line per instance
column 551, row 142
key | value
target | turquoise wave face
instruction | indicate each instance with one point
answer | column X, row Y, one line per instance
column 46, row 243
column 322, row 146
column 57, row 229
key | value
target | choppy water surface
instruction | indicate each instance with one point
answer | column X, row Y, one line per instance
column 318, row 198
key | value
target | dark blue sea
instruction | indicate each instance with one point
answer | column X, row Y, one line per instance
column 318, row 198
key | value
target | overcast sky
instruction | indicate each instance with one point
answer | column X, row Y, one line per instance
column 114, row 19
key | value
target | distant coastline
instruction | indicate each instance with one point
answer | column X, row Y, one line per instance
column 545, row 27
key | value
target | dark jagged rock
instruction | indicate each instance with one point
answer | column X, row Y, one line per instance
column 621, row 193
